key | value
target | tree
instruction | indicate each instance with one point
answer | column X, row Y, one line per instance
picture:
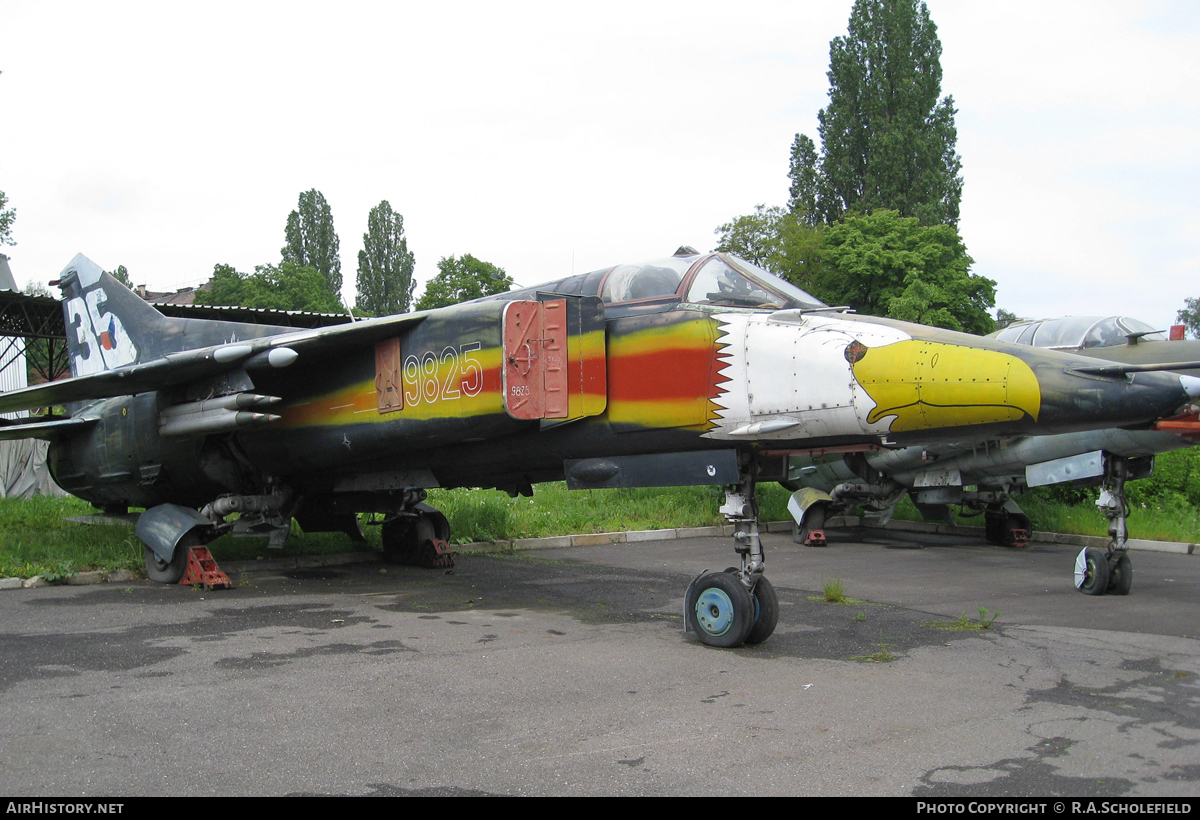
column 121, row 274
column 7, row 218
column 778, row 240
column 884, row 264
column 1189, row 317
column 462, row 279
column 804, row 193
column 311, row 240
column 284, row 287
column 1004, row 318
column 385, row 265
column 754, row 237
column 887, row 139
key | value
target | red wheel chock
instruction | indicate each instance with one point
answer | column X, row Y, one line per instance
column 203, row 569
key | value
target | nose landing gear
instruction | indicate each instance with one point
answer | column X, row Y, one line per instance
column 738, row 606
column 1109, row 572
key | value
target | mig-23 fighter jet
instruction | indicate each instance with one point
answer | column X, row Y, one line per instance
column 693, row 369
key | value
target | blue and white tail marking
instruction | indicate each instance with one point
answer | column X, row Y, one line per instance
column 96, row 338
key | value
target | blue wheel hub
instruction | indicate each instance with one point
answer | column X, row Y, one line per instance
column 714, row 612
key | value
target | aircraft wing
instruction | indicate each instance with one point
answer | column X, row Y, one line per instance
column 189, row 365
column 48, row 430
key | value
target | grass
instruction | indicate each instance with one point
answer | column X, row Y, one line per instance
column 833, row 591
column 882, row 656
column 490, row 515
column 35, row 540
column 1153, row 519
column 965, row 624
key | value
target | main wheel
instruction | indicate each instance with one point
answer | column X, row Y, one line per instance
column 397, row 537
column 409, row 540
column 1093, row 580
column 720, row 610
column 814, row 519
column 766, row 612
column 766, row 608
column 169, row 572
column 1120, row 576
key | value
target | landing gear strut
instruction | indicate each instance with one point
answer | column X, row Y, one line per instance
column 1111, row 571
column 737, row 606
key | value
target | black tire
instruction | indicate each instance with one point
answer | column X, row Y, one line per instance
column 396, row 537
column 1120, row 576
column 410, row 541
column 994, row 524
column 766, row 612
column 168, row 572
column 814, row 519
column 1095, row 579
column 720, row 610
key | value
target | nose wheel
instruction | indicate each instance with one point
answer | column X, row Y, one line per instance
column 738, row 606
column 1109, row 572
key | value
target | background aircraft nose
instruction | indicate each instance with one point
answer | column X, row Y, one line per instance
column 1079, row 396
column 1191, row 386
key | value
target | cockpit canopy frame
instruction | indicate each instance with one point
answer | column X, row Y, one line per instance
column 1080, row 332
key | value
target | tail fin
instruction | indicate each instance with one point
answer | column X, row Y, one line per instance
column 108, row 326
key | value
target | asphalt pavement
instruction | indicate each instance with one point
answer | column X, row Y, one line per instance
column 566, row 672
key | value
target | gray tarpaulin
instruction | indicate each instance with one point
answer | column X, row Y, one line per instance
column 23, row 470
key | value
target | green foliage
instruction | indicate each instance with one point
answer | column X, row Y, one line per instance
column 834, row 591
column 778, row 240
column 887, row 139
column 385, row 265
column 36, row 540
column 286, row 287
column 805, row 192
column 7, row 218
column 1175, row 482
column 461, row 280
column 121, row 274
column 964, row 623
column 880, row 264
column 555, row 510
column 885, row 264
column 1004, row 318
column 1189, row 317
column 311, row 240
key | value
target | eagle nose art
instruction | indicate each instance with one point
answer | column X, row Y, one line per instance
column 825, row 376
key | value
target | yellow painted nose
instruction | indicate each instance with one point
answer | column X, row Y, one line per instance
column 932, row 384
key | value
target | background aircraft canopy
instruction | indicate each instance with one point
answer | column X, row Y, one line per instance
column 1079, row 332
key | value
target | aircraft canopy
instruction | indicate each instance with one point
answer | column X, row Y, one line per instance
column 704, row 279
column 1080, row 332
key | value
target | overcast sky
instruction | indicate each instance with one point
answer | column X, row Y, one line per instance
column 556, row 137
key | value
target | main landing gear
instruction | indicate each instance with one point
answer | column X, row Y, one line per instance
column 737, row 606
column 1108, row 572
column 418, row 536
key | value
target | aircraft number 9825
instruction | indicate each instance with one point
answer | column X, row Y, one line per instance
column 434, row 377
